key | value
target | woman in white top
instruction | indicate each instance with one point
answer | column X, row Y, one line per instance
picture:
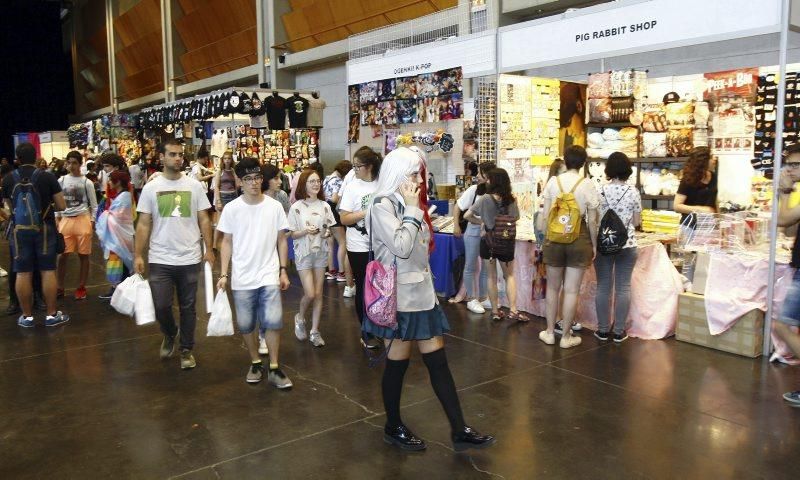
column 310, row 219
column 355, row 201
column 401, row 235
column 477, row 301
column 614, row 271
column 567, row 262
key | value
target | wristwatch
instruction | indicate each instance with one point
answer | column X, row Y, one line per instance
column 224, row 275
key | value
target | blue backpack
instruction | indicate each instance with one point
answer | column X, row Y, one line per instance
column 27, row 213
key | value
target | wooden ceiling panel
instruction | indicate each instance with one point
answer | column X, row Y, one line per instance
column 143, row 83
column 141, row 20
column 316, row 22
column 232, row 52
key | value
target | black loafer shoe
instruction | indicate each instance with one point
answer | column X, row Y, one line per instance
column 403, row 438
column 469, row 438
column 13, row 309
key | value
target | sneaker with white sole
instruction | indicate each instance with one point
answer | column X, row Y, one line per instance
column 620, row 337
column 57, row 319
column 24, row 321
column 256, row 373
column 187, row 360
column 316, row 339
column 548, row 338
column 486, row 303
column 262, row 346
column 792, row 397
column 278, row 379
column 475, row 306
column 300, row 327
column 570, row 341
column 330, row 275
column 349, row 292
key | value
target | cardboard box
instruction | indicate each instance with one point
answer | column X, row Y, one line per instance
column 744, row 338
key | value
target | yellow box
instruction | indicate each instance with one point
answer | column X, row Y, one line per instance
column 744, row 338
column 446, row 191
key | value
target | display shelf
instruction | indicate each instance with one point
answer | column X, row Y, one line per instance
column 658, row 197
column 611, row 125
column 658, row 159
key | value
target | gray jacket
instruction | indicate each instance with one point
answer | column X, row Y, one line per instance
column 399, row 233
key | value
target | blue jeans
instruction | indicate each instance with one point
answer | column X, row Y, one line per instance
column 621, row 267
column 259, row 307
column 471, row 262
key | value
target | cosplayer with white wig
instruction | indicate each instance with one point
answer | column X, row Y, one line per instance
column 400, row 236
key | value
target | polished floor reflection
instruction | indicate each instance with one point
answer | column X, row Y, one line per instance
column 91, row 399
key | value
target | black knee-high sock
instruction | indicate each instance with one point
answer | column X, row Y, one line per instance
column 444, row 387
column 392, row 387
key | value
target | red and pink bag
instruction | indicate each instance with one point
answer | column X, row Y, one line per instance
column 380, row 289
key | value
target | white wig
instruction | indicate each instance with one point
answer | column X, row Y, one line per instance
column 395, row 169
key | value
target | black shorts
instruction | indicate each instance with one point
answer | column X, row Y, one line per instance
column 335, row 215
column 485, row 252
column 34, row 251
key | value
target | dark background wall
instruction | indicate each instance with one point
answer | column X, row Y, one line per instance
column 35, row 72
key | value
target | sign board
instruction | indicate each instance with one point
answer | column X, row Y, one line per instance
column 476, row 56
column 633, row 28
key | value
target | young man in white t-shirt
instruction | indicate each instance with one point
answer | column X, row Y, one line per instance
column 255, row 238
column 173, row 207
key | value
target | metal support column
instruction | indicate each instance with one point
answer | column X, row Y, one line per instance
column 166, row 46
column 262, row 37
column 112, row 64
column 773, row 227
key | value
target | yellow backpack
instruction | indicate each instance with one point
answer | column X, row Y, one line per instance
column 564, row 221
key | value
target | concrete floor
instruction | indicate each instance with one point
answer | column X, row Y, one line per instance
column 91, row 399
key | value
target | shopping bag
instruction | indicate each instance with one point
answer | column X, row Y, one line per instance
column 221, row 322
column 145, row 309
column 124, row 298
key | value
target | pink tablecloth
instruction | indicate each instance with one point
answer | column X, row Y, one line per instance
column 655, row 287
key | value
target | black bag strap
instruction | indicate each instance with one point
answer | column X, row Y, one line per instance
column 618, row 201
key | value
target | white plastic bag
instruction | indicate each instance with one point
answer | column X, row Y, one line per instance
column 145, row 309
column 221, row 322
column 124, row 298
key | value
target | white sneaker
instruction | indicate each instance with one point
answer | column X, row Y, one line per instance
column 262, row 346
column 3, row 273
column 548, row 338
column 316, row 339
column 570, row 341
column 475, row 306
column 486, row 303
column 349, row 292
column 299, row 327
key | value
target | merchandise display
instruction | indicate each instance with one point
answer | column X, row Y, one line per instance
column 293, row 147
column 426, row 98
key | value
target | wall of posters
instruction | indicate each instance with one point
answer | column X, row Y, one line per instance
column 426, row 98
column 731, row 98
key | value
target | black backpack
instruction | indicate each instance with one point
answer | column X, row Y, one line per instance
column 613, row 234
column 502, row 237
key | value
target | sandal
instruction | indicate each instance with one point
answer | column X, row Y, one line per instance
column 456, row 300
column 497, row 316
column 519, row 317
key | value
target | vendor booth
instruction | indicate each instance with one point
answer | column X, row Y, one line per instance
column 683, row 74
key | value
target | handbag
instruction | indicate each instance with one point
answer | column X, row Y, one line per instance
column 380, row 288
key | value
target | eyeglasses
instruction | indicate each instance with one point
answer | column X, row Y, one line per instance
column 792, row 165
column 314, row 182
column 358, row 166
column 253, row 179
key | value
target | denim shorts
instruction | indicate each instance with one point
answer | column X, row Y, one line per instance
column 34, row 250
column 258, row 307
column 790, row 313
column 312, row 260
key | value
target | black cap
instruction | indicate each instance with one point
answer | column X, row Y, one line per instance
column 671, row 97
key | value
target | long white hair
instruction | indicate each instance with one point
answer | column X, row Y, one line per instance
column 395, row 169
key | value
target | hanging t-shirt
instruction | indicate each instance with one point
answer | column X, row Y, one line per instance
column 219, row 142
column 626, row 201
column 315, row 108
column 254, row 261
column 276, row 112
column 298, row 112
column 356, row 198
column 173, row 204
column 310, row 213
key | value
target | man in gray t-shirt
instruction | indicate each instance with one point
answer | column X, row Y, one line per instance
column 76, row 223
column 173, row 208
